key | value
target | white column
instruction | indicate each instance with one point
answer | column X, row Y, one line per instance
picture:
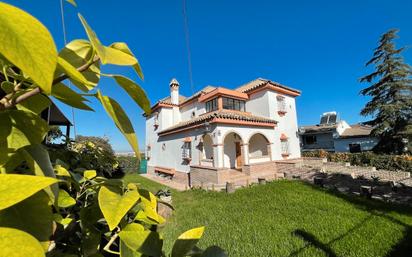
column 218, row 156
column 245, row 153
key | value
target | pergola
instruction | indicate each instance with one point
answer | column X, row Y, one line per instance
column 55, row 117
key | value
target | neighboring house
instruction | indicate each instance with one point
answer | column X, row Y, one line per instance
column 219, row 128
column 335, row 135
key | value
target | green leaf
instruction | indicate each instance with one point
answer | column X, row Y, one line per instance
column 124, row 48
column 146, row 242
column 27, row 43
column 15, row 188
column 214, row 251
column 19, row 129
column 33, row 215
column 117, row 57
column 72, row 72
column 72, row 2
column 35, row 104
column 94, row 40
column 134, row 91
column 89, row 174
column 38, row 160
column 16, row 243
column 7, row 87
column 186, row 241
column 121, row 120
column 125, row 251
column 114, row 206
column 69, row 97
column 65, row 200
column 77, row 53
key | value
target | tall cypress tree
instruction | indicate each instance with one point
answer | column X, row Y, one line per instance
column 391, row 96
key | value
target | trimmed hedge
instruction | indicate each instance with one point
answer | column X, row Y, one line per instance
column 380, row 161
column 129, row 164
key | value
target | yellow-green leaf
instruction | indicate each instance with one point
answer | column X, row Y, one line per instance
column 16, row 243
column 38, row 160
column 117, row 57
column 69, row 97
column 124, row 48
column 33, row 215
column 186, row 241
column 61, row 171
column 89, row 174
column 27, row 43
column 63, row 221
column 72, row 2
column 121, row 120
column 72, row 72
column 146, row 242
column 65, row 200
column 114, row 206
column 134, row 91
column 19, row 129
column 94, row 40
column 15, row 188
column 35, row 104
column 77, row 53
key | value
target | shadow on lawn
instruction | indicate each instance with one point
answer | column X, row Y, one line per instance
column 375, row 208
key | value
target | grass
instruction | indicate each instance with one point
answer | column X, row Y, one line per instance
column 290, row 218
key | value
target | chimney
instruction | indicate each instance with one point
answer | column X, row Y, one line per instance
column 174, row 91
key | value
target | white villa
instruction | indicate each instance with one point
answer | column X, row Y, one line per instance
column 220, row 131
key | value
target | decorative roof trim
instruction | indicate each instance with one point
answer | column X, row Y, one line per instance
column 223, row 92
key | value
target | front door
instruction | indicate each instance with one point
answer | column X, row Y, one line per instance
column 238, row 155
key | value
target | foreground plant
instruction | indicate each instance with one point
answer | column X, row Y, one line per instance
column 56, row 210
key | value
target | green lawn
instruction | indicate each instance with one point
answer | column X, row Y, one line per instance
column 290, row 218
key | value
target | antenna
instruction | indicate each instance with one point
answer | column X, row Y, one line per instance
column 65, row 42
column 189, row 55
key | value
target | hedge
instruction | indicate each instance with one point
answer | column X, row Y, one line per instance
column 380, row 161
column 129, row 164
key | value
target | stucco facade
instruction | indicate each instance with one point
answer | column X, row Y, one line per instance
column 222, row 128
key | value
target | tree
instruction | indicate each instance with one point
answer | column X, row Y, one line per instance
column 391, row 96
column 51, row 208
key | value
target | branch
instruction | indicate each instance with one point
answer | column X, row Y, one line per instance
column 37, row 90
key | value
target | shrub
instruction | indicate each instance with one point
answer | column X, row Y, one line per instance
column 380, row 161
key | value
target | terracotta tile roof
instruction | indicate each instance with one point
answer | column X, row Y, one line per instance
column 261, row 82
column 357, row 130
column 224, row 114
column 168, row 100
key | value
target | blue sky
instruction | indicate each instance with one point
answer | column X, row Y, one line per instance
column 319, row 47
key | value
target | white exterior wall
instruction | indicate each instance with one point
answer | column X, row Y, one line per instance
column 366, row 143
column 263, row 103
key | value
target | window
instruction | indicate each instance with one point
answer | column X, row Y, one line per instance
column 148, row 152
column 187, row 151
column 211, row 105
column 309, row 140
column 156, row 120
column 193, row 114
column 281, row 104
column 355, row 148
column 284, row 144
column 233, row 104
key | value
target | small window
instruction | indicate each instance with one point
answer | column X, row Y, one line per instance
column 148, row 152
column 193, row 114
column 281, row 104
column 187, row 151
column 355, row 148
column 164, row 146
column 284, row 144
column 309, row 140
column 211, row 105
column 156, row 120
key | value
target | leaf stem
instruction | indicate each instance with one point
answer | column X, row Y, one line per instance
column 37, row 90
